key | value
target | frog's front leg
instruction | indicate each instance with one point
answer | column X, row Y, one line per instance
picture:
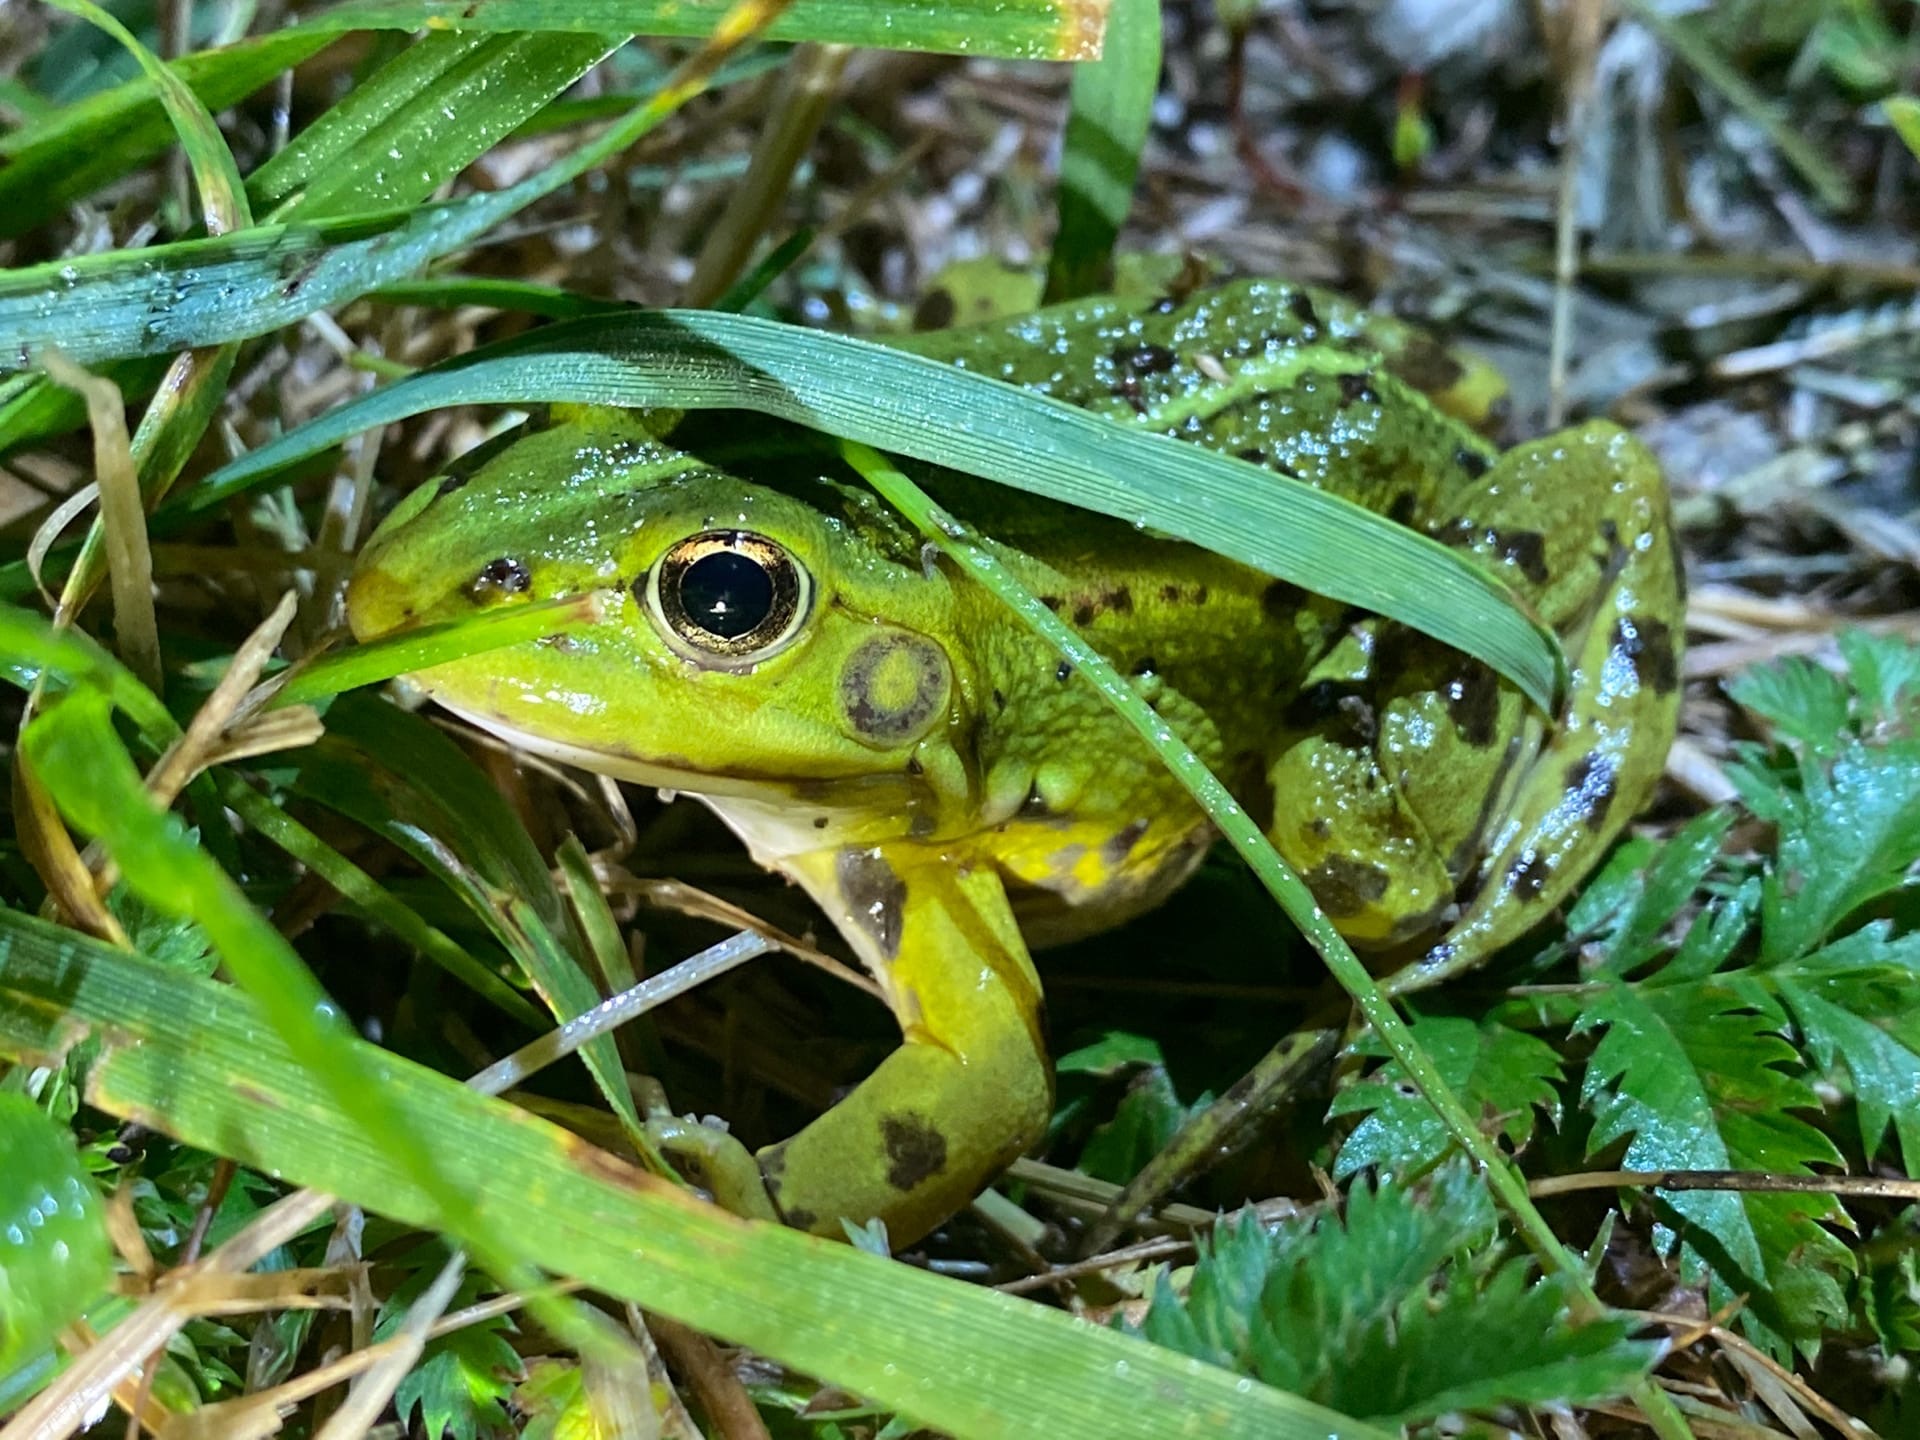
column 968, row 1090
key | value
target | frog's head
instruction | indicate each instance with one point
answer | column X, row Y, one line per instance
column 775, row 643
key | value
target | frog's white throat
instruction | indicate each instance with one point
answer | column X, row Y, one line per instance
column 773, row 818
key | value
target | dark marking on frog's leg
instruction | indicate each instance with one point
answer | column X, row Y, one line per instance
column 1344, row 886
column 875, row 897
column 893, row 686
column 1282, row 600
column 1356, row 388
column 1590, row 787
column 1403, row 508
column 916, row 1150
column 800, row 1219
column 1528, row 876
column 1119, row 600
column 1052, row 602
column 1473, row 703
column 1120, row 844
column 1471, row 462
column 820, row 822
column 1200, row 593
column 1170, row 594
column 1253, row 455
column 1526, row 549
column 1647, row 644
column 1084, row 612
column 504, row 574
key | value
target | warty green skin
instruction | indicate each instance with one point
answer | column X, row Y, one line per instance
column 949, row 791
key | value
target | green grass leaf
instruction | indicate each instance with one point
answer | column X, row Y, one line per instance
column 905, row 403
column 1109, row 114
column 905, row 1338
column 421, row 119
column 1010, row 29
column 55, row 1259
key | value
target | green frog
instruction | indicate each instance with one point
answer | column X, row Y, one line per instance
column 887, row 736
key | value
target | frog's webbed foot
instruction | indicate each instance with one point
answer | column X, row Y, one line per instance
column 968, row 1090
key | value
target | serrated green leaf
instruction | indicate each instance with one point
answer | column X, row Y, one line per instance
column 1848, row 835
column 1497, row 1071
column 1365, row 1311
column 1694, row 1079
column 1885, row 672
column 461, row 1383
column 1804, row 702
column 55, row 1259
column 1669, row 881
column 1147, row 1118
column 1858, row 1003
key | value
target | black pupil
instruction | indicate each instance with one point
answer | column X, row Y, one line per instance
column 726, row 594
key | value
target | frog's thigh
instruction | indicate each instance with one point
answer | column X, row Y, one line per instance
column 1609, row 582
column 968, row 1090
column 1341, row 819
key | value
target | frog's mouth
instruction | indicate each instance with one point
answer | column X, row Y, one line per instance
column 841, row 799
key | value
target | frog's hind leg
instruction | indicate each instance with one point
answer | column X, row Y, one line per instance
column 1605, row 576
column 970, row 1088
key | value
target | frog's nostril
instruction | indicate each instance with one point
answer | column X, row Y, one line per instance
column 505, row 575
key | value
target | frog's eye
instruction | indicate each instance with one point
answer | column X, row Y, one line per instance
column 728, row 594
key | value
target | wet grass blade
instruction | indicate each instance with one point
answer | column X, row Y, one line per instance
column 74, row 149
column 910, row 405
column 175, row 1053
column 1010, row 29
column 1107, row 123
column 421, row 119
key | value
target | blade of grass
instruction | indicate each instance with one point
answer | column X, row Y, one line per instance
column 49, row 163
column 209, row 292
column 174, row 1053
column 1509, row 1188
column 1110, row 111
column 911, row 405
column 421, row 119
column 223, row 203
column 1009, row 29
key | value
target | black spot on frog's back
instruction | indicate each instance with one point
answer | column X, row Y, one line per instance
column 1527, row 876
column 1648, row 646
column 1526, row 550
column 916, row 1150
